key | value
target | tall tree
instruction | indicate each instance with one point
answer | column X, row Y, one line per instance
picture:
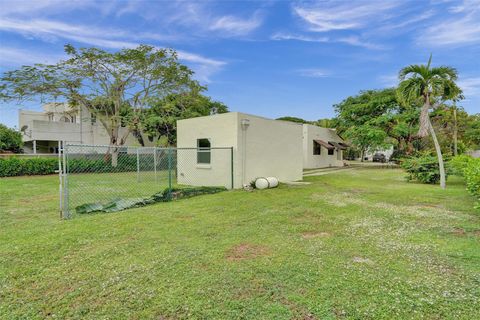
column 431, row 86
column 366, row 137
column 160, row 121
column 365, row 119
column 116, row 86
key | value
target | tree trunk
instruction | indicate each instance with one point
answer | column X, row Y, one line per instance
column 115, row 157
column 424, row 119
column 455, row 133
column 362, row 155
column 439, row 155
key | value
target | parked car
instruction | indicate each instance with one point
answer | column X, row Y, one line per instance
column 379, row 157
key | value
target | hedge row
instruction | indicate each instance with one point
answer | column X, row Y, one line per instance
column 14, row 166
column 10, row 167
column 469, row 168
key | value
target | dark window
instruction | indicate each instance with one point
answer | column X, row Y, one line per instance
column 203, row 151
column 331, row 152
column 317, row 148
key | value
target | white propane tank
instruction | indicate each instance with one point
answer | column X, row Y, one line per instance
column 261, row 183
column 264, row 183
column 272, row 182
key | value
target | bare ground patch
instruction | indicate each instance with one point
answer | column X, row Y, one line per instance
column 246, row 251
column 458, row 231
column 313, row 234
column 362, row 260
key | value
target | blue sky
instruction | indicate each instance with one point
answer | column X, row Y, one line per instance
column 270, row 58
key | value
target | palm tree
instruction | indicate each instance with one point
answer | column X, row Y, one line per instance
column 430, row 86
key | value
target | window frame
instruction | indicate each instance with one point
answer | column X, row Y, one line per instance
column 331, row 152
column 317, row 147
column 204, row 154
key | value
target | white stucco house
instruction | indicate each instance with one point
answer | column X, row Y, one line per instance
column 43, row 131
column 322, row 147
column 259, row 147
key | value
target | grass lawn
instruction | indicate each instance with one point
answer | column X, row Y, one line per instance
column 359, row 244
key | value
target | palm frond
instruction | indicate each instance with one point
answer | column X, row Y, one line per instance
column 445, row 72
column 413, row 70
column 410, row 90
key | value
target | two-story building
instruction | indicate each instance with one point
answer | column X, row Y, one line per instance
column 42, row 132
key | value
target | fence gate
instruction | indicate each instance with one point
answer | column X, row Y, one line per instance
column 95, row 176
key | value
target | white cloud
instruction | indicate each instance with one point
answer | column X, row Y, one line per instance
column 299, row 37
column 236, row 26
column 47, row 30
column 14, row 56
column 351, row 40
column 31, row 9
column 470, row 86
column 463, row 28
column 356, row 41
column 342, row 15
column 313, row 73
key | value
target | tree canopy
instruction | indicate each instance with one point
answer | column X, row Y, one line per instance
column 160, row 121
column 10, row 140
column 115, row 86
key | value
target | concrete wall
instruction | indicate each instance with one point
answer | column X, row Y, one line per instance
column 265, row 148
column 221, row 130
column 310, row 133
column 270, row 148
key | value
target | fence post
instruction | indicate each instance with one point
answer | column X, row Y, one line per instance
column 155, row 162
column 138, row 167
column 60, row 178
column 231, row 164
column 66, row 204
column 169, row 172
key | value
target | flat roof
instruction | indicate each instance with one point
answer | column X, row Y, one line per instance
column 240, row 114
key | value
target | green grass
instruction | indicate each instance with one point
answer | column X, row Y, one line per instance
column 360, row 244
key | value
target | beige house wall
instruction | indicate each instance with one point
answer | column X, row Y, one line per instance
column 310, row 161
column 262, row 148
column 273, row 149
column 48, row 127
column 221, row 131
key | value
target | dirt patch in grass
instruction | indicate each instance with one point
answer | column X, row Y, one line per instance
column 458, row 231
column 246, row 251
column 313, row 234
column 184, row 218
column 362, row 260
column 427, row 205
column 298, row 311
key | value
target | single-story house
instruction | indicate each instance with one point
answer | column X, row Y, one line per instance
column 322, row 147
column 253, row 147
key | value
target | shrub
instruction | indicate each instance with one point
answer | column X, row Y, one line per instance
column 459, row 163
column 423, row 168
column 397, row 155
column 472, row 178
column 33, row 166
column 10, row 140
column 15, row 166
column 469, row 168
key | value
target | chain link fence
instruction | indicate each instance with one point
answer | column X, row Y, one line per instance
column 97, row 175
